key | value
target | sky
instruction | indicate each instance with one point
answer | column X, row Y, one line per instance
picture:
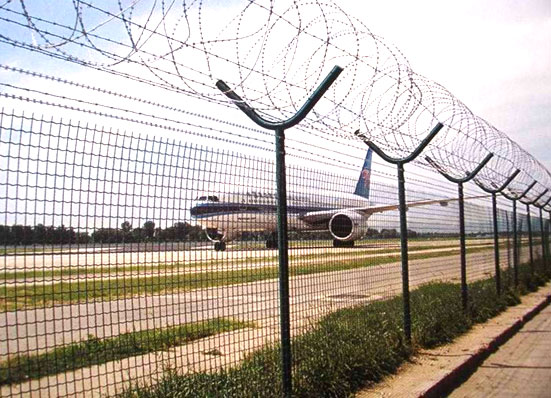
column 494, row 55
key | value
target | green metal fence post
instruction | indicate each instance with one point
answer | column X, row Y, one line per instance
column 462, row 248
column 542, row 233
column 496, row 245
column 547, row 229
column 515, row 232
column 515, row 244
column 529, row 220
column 282, row 227
column 494, row 193
column 544, row 249
column 403, row 217
column 462, row 240
column 530, row 240
column 282, row 240
column 404, row 251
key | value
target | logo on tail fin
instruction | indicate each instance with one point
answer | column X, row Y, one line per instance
column 362, row 187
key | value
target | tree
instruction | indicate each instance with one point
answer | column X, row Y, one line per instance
column 372, row 233
column 126, row 227
column 39, row 234
column 181, row 230
column 5, row 235
column 389, row 233
column 16, row 234
column 149, row 229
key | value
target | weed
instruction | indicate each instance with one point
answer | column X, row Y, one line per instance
column 95, row 351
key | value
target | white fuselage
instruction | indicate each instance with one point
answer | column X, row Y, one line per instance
column 231, row 213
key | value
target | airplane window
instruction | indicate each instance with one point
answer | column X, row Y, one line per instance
column 201, row 198
column 214, row 199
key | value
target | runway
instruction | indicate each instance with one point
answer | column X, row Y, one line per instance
column 121, row 256
column 313, row 295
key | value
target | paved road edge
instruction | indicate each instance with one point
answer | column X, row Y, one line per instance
column 451, row 380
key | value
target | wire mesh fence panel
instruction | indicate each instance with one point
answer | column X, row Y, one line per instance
column 108, row 276
column 344, row 263
column 128, row 256
column 479, row 229
column 522, row 239
column 435, row 255
column 141, row 228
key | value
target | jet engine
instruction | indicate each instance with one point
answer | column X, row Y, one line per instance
column 346, row 226
column 219, row 237
column 214, row 234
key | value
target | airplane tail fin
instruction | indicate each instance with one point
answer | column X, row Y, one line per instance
column 362, row 187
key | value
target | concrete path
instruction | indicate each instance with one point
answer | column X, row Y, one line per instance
column 520, row 368
column 435, row 372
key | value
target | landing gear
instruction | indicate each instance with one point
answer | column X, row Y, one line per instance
column 342, row 243
column 271, row 242
column 220, row 246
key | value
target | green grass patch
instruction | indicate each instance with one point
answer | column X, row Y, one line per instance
column 39, row 295
column 346, row 350
column 174, row 267
column 95, row 351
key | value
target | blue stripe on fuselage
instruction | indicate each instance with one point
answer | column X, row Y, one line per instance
column 205, row 210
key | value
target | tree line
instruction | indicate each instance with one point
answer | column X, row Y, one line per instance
column 23, row 235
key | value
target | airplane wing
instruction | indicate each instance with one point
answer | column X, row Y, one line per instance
column 318, row 217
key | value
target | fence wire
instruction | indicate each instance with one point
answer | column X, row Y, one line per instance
column 138, row 205
column 109, row 278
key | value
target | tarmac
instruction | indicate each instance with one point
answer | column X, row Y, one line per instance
column 521, row 365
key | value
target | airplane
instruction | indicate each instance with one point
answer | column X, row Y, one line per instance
column 224, row 215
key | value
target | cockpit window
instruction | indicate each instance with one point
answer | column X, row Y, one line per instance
column 213, row 199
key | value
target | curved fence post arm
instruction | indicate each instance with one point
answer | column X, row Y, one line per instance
column 293, row 120
column 502, row 187
column 408, row 158
column 462, row 241
column 535, row 200
column 527, row 189
column 282, row 226
column 515, row 198
column 507, row 196
column 403, row 217
column 468, row 177
column 545, row 204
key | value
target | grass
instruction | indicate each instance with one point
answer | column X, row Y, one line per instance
column 95, row 351
column 350, row 348
column 39, row 295
column 122, row 269
column 26, row 249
